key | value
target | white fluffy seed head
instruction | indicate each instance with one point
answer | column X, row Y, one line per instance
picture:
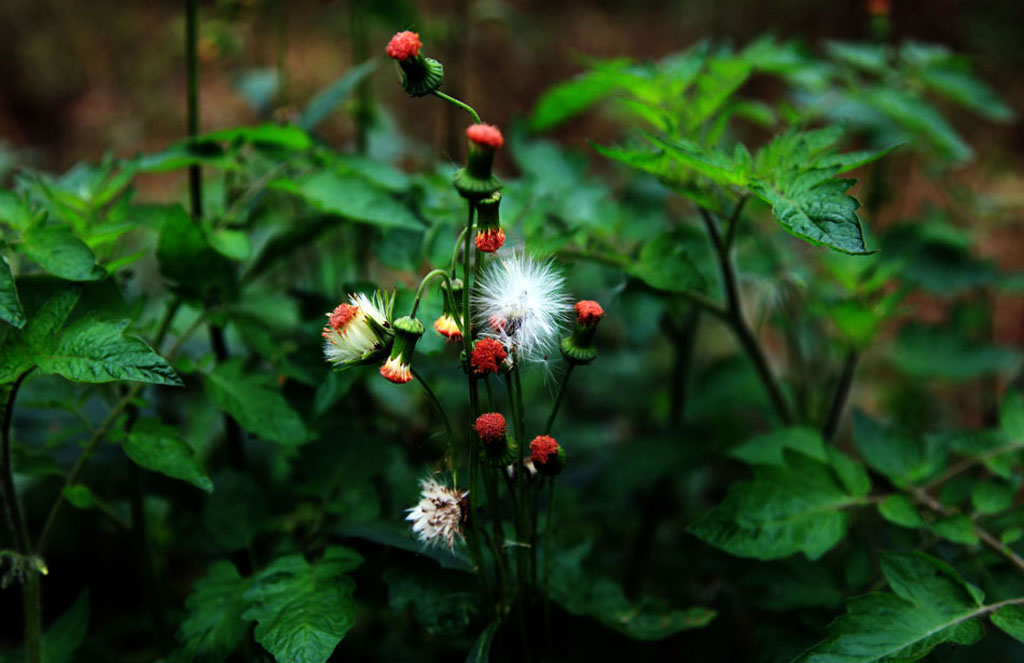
column 437, row 518
column 523, row 303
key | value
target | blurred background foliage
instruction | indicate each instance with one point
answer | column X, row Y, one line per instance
column 355, row 191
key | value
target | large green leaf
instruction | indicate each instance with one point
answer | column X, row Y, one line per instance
column 10, row 305
column 271, row 135
column 799, row 507
column 917, row 116
column 303, row 610
column 901, row 457
column 815, row 207
column 59, row 252
column 14, row 211
column 214, row 626
column 93, row 350
column 568, row 99
column 931, row 604
column 351, row 197
column 159, row 448
column 256, row 403
column 664, row 264
column 188, row 260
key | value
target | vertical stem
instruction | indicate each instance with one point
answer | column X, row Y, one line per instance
column 547, row 560
column 31, row 590
column 558, row 398
column 683, row 340
column 734, row 317
column 192, row 74
column 842, row 393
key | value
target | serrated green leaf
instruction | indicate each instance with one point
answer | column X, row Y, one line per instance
column 303, row 610
column 899, row 456
column 572, row 97
column 769, row 449
column 39, row 334
column 1010, row 620
column 188, row 261
column 327, row 99
column 254, row 401
column 214, row 626
column 349, row 196
column 665, row 265
column 917, row 116
column 10, row 306
column 900, row 510
column 156, row 447
column 932, row 604
column 97, row 351
column 785, row 510
column 816, row 209
column 59, row 252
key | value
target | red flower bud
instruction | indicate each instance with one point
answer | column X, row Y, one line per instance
column 487, row 356
column 490, row 426
column 486, row 135
column 404, row 45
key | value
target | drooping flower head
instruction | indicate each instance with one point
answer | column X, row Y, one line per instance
column 476, row 181
column 522, row 302
column 447, row 324
column 547, row 455
column 398, row 368
column 578, row 348
column 488, row 356
column 358, row 331
column 489, row 235
column 438, row 517
column 420, row 75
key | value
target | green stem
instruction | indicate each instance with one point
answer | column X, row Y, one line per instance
column 452, row 457
column 734, row 317
column 455, row 251
column 547, row 560
column 558, row 398
column 461, row 104
column 423, row 284
column 31, row 591
column 192, row 75
column 840, row 396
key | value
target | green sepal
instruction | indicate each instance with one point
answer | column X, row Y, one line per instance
column 576, row 353
column 476, row 181
column 421, row 75
column 487, row 212
column 555, row 464
column 407, row 332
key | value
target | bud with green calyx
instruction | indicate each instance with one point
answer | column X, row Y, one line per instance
column 579, row 347
column 407, row 332
column 489, row 235
column 420, row 75
column 547, row 455
column 475, row 181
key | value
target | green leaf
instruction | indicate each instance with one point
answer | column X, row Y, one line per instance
column 188, row 261
column 159, row 448
column 940, row 352
column 990, row 497
column 10, row 306
column 443, row 602
column 184, row 154
column 274, row 135
column 59, row 252
column 67, row 632
column 303, row 610
column 79, row 496
column 873, row 58
column 328, row 99
column 214, row 626
column 1011, row 415
column 97, row 351
column 958, row 529
column 1010, row 620
column 480, row 652
column 14, row 211
column 785, row 510
column 967, row 90
column 254, row 401
column 349, row 196
column 931, row 605
column 917, row 116
column 572, row 97
column 664, row 264
column 769, row 449
column 899, row 456
column 39, row 334
column 236, row 511
column 817, row 210
column 233, row 244
column 899, row 509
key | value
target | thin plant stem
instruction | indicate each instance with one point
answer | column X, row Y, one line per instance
column 461, row 104
column 455, row 251
column 547, row 560
column 192, row 75
column 452, row 457
column 558, row 398
column 841, row 395
column 734, row 317
column 423, row 284
column 31, row 590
